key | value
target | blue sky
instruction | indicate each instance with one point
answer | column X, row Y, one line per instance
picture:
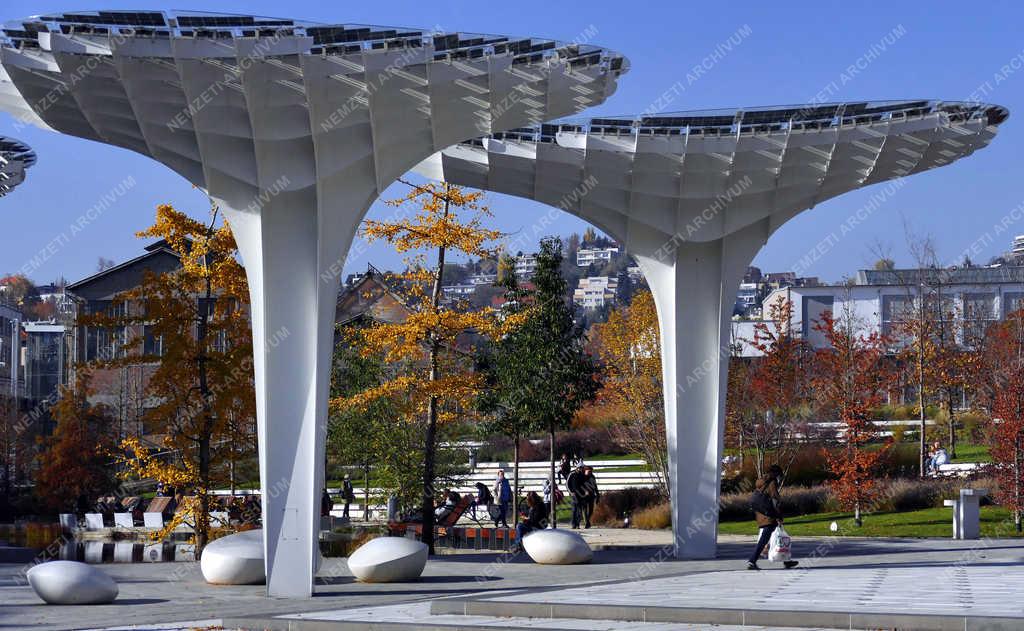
column 789, row 52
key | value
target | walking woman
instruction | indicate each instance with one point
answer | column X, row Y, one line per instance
column 765, row 502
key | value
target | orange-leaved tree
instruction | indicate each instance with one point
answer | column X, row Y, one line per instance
column 630, row 354
column 435, row 383
column 850, row 380
column 74, row 464
column 192, row 325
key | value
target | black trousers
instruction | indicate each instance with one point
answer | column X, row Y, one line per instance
column 762, row 541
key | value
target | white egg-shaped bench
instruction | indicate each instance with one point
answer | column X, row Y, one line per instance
column 235, row 559
column 388, row 560
column 553, row 546
column 72, row 583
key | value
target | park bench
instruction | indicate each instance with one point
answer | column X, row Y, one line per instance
column 957, row 469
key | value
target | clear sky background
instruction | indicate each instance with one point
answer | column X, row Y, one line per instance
column 788, row 52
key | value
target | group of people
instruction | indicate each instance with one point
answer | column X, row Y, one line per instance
column 578, row 478
column 347, row 495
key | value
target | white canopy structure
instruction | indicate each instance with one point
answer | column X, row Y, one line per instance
column 294, row 128
column 694, row 196
column 15, row 157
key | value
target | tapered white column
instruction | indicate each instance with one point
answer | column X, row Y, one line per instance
column 292, row 271
column 694, row 286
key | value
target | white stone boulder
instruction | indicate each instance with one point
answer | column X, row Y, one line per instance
column 553, row 546
column 72, row 583
column 235, row 559
column 388, row 560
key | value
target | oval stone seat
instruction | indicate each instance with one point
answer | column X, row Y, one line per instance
column 388, row 560
column 235, row 559
column 72, row 583
column 557, row 547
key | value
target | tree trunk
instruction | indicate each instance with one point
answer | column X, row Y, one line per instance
column 515, row 473
column 430, row 439
column 922, row 442
column 366, row 493
column 202, row 517
column 551, row 472
column 952, row 427
column 428, row 472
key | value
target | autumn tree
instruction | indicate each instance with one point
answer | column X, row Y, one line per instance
column 192, row 325
column 630, row 354
column 74, row 463
column 1001, row 386
column 436, row 384
column 850, row 379
column 778, row 388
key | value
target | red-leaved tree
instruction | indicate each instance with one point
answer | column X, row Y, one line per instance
column 850, row 379
column 1001, row 389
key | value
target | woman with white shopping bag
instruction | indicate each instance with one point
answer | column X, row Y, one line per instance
column 765, row 501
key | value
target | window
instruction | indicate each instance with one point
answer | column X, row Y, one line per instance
column 896, row 312
column 1012, row 302
column 979, row 314
column 152, row 344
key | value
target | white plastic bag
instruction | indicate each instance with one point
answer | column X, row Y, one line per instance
column 779, row 548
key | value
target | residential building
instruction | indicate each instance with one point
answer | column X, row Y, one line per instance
column 878, row 300
column 482, row 279
column 455, row 292
column 11, row 378
column 595, row 292
column 526, row 265
column 589, row 256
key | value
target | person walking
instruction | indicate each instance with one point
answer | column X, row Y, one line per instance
column 575, row 485
column 765, row 502
column 483, row 498
column 503, row 494
column 590, row 494
column 534, row 519
column 347, row 493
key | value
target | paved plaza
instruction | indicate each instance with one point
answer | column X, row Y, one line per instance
column 890, row 577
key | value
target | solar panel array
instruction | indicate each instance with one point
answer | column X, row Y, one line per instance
column 772, row 119
column 328, row 39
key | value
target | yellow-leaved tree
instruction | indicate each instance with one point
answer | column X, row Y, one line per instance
column 192, row 325
column 627, row 345
column 434, row 383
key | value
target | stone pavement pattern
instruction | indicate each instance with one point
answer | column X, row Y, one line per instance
column 417, row 613
column 964, row 590
column 989, row 575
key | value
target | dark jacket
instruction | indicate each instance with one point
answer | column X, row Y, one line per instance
column 575, row 484
column 536, row 517
column 589, row 486
column 769, row 485
column 347, row 493
column 483, row 494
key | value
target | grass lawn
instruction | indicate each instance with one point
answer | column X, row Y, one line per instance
column 607, row 457
column 972, row 453
column 930, row 522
